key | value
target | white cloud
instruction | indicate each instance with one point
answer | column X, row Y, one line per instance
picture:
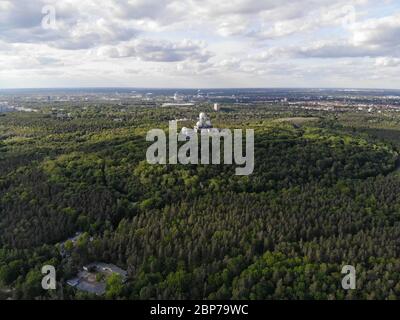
column 378, row 32
column 240, row 42
column 159, row 51
column 387, row 62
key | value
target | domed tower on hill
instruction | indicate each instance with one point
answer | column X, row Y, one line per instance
column 203, row 123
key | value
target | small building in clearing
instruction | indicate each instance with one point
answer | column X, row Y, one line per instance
column 93, row 277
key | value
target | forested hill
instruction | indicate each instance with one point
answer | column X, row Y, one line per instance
column 323, row 195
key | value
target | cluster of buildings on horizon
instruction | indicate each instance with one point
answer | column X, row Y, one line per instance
column 340, row 100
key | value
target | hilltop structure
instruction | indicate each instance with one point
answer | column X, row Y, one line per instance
column 203, row 125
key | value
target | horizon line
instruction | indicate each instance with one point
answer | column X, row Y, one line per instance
column 200, row 88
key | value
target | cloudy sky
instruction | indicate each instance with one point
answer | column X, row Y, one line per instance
column 200, row 43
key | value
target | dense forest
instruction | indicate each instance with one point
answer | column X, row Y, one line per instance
column 323, row 195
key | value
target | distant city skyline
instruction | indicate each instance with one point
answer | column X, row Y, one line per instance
column 177, row 89
column 191, row 44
